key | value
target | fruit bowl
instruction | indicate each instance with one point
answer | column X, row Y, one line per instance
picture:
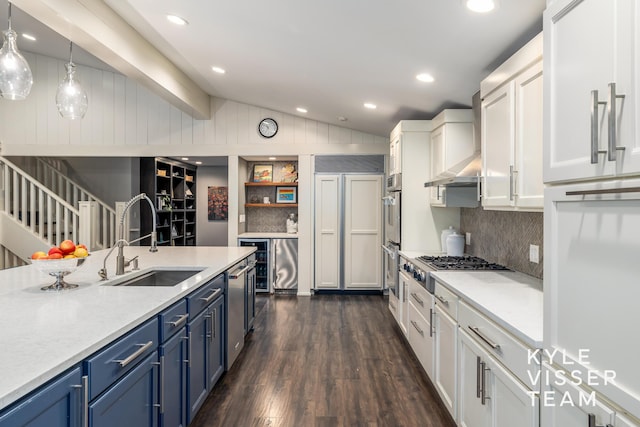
column 58, row 268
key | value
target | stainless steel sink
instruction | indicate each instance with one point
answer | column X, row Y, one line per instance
column 157, row 278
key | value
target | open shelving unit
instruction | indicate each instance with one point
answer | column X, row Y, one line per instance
column 172, row 184
column 249, row 185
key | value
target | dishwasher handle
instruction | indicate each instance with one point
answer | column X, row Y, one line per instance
column 236, row 274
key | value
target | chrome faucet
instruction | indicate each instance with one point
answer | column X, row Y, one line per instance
column 121, row 263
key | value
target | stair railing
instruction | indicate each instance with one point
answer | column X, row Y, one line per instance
column 48, row 171
column 37, row 208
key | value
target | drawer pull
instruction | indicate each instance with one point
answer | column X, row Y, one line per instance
column 212, row 296
column 491, row 344
column 431, row 322
column 84, row 395
column 415, row 325
column 133, row 356
column 415, row 297
column 592, row 421
column 182, row 319
column 442, row 299
column 478, row 387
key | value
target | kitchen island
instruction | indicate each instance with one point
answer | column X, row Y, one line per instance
column 45, row 333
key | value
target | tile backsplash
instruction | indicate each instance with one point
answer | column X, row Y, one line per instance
column 504, row 237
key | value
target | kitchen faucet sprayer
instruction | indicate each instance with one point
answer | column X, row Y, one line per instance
column 121, row 263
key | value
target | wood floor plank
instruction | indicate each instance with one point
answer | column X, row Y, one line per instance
column 327, row 360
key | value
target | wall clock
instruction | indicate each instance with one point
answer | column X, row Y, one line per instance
column 268, row 128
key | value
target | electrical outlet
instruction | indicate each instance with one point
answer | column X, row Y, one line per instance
column 534, row 253
column 242, row 218
column 467, row 238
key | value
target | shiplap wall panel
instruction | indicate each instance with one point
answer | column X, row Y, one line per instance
column 124, row 113
column 108, row 113
column 119, row 110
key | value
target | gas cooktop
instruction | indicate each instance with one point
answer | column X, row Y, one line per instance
column 459, row 263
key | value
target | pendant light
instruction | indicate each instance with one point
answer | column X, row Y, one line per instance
column 71, row 98
column 15, row 75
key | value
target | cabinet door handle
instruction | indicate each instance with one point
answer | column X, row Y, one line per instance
column 478, row 388
column 418, row 300
column 160, row 398
column 431, row 322
column 492, row 344
column 182, row 319
column 133, row 356
column 484, row 369
column 438, row 191
column 207, row 333
column 212, row 296
column 510, row 182
column 478, row 188
column 213, row 324
column 442, row 299
column 415, row 325
column 594, row 127
column 188, row 361
column 162, row 366
column 84, row 397
column 613, row 124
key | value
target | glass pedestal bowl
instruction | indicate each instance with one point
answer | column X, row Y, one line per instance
column 58, row 268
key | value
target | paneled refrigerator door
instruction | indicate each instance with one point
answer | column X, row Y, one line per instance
column 327, row 232
column 591, row 291
column 362, row 232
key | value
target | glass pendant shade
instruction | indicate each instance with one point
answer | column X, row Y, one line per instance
column 71, row 98
column 15, row 75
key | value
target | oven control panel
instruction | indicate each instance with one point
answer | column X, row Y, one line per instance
column 414, row 271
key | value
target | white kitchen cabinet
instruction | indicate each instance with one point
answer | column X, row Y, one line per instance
column 585, row 404
column 590, row 45
column 490, row 395
column 445, row 330
column 512, row 132
column 403, row 305
column 420, row 331
column 452, row 147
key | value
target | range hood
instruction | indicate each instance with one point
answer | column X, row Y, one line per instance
column 464, row 174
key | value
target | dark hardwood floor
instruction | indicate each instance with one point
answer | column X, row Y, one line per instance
column 327, row 360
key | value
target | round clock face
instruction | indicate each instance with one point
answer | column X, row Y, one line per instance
column 268, row 128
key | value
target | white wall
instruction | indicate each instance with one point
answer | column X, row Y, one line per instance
column 126, row 119
column 209, row 233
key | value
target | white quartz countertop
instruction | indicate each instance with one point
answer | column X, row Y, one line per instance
column 513, row 300
column 267, row 235
column 45, row 333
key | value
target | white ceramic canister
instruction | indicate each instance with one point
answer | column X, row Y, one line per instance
column 443, row 237
column 455, row 245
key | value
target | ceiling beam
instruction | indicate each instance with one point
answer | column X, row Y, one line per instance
column 95, row 27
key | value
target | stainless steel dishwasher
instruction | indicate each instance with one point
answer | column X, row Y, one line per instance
column 235, row 310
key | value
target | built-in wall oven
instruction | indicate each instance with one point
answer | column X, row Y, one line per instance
column 392, row 215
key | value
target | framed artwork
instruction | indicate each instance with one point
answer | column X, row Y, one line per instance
column 286, row 195
column 263, row 173
column 217, row 203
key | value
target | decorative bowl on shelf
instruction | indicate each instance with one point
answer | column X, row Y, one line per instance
column 58, row 268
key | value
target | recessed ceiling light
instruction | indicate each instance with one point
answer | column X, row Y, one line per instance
column 198, row 163
column 218, row 70
column 342, row 118
column 424, row 77
column 301, row 110
column 272, row 158
column 481, row 6
column 370, row 106
column 185, row 158
column 175, row 19
column 28, row 37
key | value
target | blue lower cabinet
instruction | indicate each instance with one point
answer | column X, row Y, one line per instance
column 58, row 404
column 206, row 354
column 198, row 384
column 173, row 381
column 216, row 342
column 130, row 402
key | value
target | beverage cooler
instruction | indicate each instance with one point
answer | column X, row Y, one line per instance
column 263, row 262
